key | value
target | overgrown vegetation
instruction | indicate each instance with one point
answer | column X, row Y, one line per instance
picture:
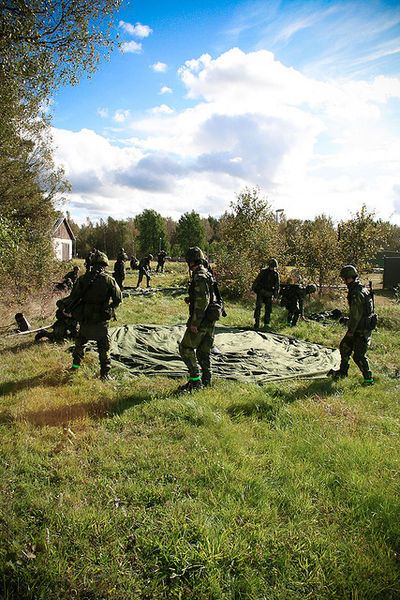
column 124, row 490
column 43, row 44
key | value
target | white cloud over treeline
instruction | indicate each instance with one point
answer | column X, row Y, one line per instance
column 312, row 146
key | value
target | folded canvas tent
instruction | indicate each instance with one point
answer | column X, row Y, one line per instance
column 239, row 354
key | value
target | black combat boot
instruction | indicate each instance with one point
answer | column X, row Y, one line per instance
column 191, row 386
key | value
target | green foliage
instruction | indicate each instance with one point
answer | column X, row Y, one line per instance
column 317, row 253
column 26, row 258
column 249, row 237
column 360, row 239
column 152, row 232
column 108, row 236
column 190, row 231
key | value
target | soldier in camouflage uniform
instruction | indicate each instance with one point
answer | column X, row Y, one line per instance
column 161, row 257
column 293, row 296
column 196, row 344
column 145, row 269
column 266, row 286
column 92, row 302
column 358, row 335
column 122, row 255
column 64, row 327
column 119, row 271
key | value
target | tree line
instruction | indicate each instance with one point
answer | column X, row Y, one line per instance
column 241, row 241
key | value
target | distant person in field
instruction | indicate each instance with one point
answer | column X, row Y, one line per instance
column 161, row 258
column 119, row 270
column 145, row 269
column 266, row 286
column 92, row 302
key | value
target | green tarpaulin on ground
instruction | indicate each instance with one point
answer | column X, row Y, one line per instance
column 239, row 354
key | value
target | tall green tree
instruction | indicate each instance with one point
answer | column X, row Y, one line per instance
column 361, row 237
column 249, row 237
column 152, row 233
column 190, row 231
column 317, row 253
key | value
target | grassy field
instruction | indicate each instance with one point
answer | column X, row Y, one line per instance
column 126, row 490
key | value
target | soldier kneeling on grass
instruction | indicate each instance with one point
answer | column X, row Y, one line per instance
column 204, row 311
column 64, row 327
column 92, row 302
column 362, row 320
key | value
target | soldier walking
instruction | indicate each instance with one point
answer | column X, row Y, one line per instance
column 266, row 286
column 92, row 302
column 362, row 321
column 196, row 344
column 145, row 269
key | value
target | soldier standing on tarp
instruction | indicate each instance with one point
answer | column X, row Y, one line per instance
column 362, row 320
column 266, row 286
column 145, row 269
column 196, row 344
column 161, row 257
column 293, row 296
column 92, row 302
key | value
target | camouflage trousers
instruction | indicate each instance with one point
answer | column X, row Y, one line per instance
column 120, row 281
column 99, row 333
column 294, row 312
column 141, row 275
column 262, row 298
column 358, row 346
column 195, row 349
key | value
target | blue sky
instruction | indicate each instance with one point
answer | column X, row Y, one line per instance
column 299, row 98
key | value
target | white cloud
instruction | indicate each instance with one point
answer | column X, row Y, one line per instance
column 163, row 109
column 159, row 67
column 133, row 47
column 103, row 112
column 120, row 116
column 313, row 146
column 165, row 90
column 138, row 30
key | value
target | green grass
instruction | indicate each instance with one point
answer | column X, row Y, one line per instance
column 126, row 490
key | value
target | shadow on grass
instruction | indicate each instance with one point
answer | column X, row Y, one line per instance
column 62, row 415
column 268, row 409
column 18, row 348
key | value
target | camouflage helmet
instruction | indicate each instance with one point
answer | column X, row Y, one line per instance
column 348, row 271
column 99, row 258
column 194, row 255
column 273, row 263
column 311, row 288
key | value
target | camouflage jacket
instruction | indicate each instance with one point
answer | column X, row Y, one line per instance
column 267, row 281
column 95, row 294
column 119, row 268
column 293, row 295
column 72, row 275
column 199, row 296
column 144, row 264
column 360, row 305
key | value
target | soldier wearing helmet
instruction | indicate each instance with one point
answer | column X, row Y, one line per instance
column 266, row 286
column 196, row 344
column 359, row 330
column 145, row 269
column 92, row 302
column 293, row 296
